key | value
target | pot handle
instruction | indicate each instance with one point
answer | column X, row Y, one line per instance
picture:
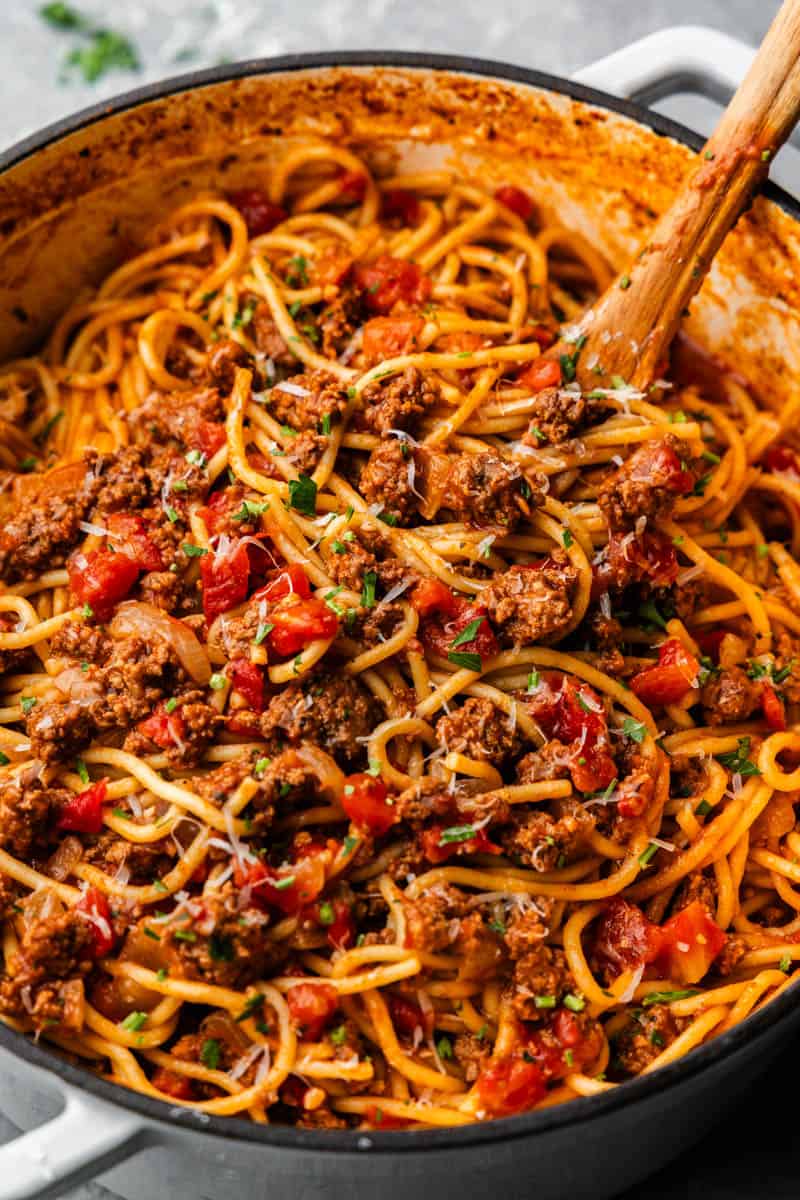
column 684, row 58
column 88, row 1136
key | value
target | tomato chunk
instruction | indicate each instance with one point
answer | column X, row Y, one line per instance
column 782, row 460
column 387, row 337
column 542, row 373
column 297, row 625
column 650, row 558
column 131, row 537
column 290, row 580
column 440, row 843
column 341, row 931
column 624, row 939
column 93, row 907
column 509, row 1085
column 675, row 674
column 388, row 280
column 690, row 941
column 311, row 1006
column 443, row 627
column 249, row 680
column 516, row 199
column 400, row 204
column 166, row 729
column 407, row 1017
column 353, row 185
column 101, row 579
column 431, row 595
column 289, row 888
column 773, row 708
column 208, row 436
column 84, row 812
column 365, row 800
column 225, row 579
column 179, row 1087
column 259, row 213
column 572, row 711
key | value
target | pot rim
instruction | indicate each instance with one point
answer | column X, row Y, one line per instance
column 741, row 1037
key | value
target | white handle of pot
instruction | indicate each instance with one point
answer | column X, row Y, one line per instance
column 86, row 1137
column 684, row 58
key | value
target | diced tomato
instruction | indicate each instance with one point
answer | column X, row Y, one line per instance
column 219, row 508
column 208, row 436
column 514, row 198
column 131, row 537
column 388, row 337
column 509, row 1085
column 311, row 1006
column 248, row 679
column 438, row 632
column 93, row 906
column 624, row 939
column 436, row 851
column 407, row 1017
column 375, row 1116
column 573, row 712
column 341, row 931
column 260, row 214
column 179, row 1087
column 83, row 813
column 690, row 941
column 431, row 595
column 225, row 579
column 296, row 625
column 101, row 579
column 782, row 460
column 289, row 888
column 353, row 185
column 290, row 580
column 399, row 203
column 388, row 280
column 166, row 729
column 331, row 267
column 564, row 1045
column 675, row 674
column 542, row 334
column 658, row 463
column 365, row 800
column 772, row 707
column 710, row 641
column 542, row 373
column 650, row 558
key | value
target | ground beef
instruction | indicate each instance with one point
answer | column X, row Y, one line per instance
column 306, row 450
column 58, row 731
column 177, row 416
column 331, row 711
column 349, row 561
column 12, row 660
column 225, row 946
column 472, row 1053
column 730, row 955
column 529, row 603
column 542, row 838
column 399, row 402
column 480, row 730
column 385, row 481
column 325, row 397
column 41, row 534
column 643, row 486
column 422, row 801
column 787, row 654
column 283, row 783
column 375, row 625
column 27, row 811
column 485, row 490
column 268, row 338
column 223, row 359
column 558, row 414
column 647, row 1034
column 81, row 641
column 9, row 896
column 729, row 696
column 696, row 886
column 541, row 971
column 430, row 917
column 144, row 861
column 340, row 320
column 551, row 761
column 163, row 589
column 478, row 946
column 43, row 983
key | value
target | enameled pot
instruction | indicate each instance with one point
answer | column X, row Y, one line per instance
column 73, row 200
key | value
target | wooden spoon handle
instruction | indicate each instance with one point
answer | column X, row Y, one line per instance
column 629, row 330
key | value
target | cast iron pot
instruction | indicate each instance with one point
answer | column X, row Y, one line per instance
column 73, row 200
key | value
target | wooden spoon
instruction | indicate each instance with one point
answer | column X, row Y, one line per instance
column 628, row 330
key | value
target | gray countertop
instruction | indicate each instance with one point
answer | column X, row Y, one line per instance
column 172, row 36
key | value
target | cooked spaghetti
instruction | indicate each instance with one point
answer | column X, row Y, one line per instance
column 392, row 734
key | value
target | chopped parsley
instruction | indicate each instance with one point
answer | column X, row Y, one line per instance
column 62, row 16
column 171, row 512
column 252, row 1005
column 544, row 1001
column 303, row 495
column 283, row 883
column 645, row 856
column 785, row 964
column 262, row 631
column 250, row 509
column 703, row 809
column 569, row 362
column 444, row 1047
column 27, row 703
column 87, row 611
column 634, row 729
column 217, row 681
column 649, row 613
column 245, row 316
column 368, row 589
column 104, row 51
column 325, row 424
column 533, row 679
column 326, row 914
column 374, row 768
column 668, row 997
column 468, row 633
column 461, row 658
column 261, row 765
column 625, row 283
column 185, row 935
column 297, row 276
column 133, row 1022
column 80, row 767
column 350, row 843
column 4, row 759
column 457, row 833
column 171, row 705
column 209, row 1053
column 193, row 551
column 574, row 1003
column 497, row 926
column 738, row 760
column 567, row 539
column 338, row 1035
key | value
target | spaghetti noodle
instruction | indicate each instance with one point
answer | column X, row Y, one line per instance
column 392, row 734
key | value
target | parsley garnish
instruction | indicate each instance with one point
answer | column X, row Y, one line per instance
column 645, row 857
column 368, row 590
column 544, row 1001
column 285, row 882
column 104, row 51
column 634, row 729
column 338, row 1035
column 533, row 680
column 193, row 551
column 262, row 632
column 251, row 1006
column 209, row 1053
column 468, row 633
column 457, row 833
column 217, row 681
column 245, row 316
column 303, row 495
column 668, row 997
column 650, row 613
column 250, row 509
column 4, row 759
column 80, row 767
column 737, row 760
column 785, row 964
column 297, row 276
column 28, row 702
column 326, row 913
column 133, row 1022
column 574, row 1003
column 569, row 362
column 566, row 538
column 444, row 1047
column 461, row 658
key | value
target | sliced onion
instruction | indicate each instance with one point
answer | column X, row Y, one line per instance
column 329, row 774
column 65, row 860
column 136, row 617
